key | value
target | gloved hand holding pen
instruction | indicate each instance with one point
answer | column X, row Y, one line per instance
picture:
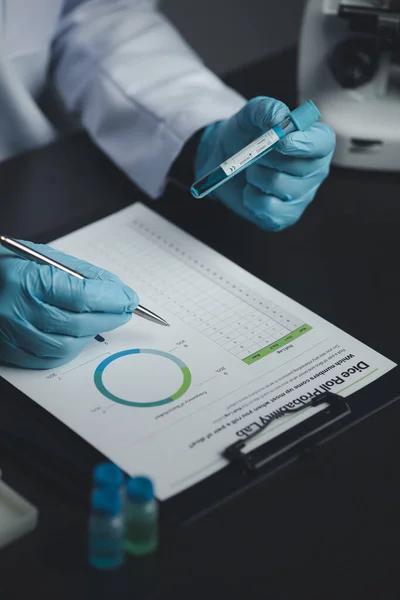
column 47, row 317
column 274, row 191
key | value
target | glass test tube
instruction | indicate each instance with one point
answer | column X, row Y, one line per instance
column 299, row 119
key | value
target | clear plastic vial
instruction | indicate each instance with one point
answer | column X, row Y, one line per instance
column 106, row 530
column 141, row 517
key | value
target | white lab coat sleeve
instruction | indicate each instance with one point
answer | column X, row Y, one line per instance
column 138, row 89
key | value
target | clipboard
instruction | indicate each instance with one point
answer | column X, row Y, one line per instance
column 47, row 449
column 245, row 471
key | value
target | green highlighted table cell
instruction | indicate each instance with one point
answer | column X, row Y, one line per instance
column 290, row 337
column 98, row 378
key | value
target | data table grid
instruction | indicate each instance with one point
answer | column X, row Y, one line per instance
column 231, row 315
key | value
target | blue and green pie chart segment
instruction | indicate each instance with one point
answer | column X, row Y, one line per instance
column 178, row 363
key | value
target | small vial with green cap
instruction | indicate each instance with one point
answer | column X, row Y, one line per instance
column 106, row 530
column 300, row 119
column 141, row 517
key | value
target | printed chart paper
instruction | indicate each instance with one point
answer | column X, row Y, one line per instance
column 166, row 401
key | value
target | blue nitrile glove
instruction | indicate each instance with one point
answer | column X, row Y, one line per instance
column 274, row 191
column 48, row 316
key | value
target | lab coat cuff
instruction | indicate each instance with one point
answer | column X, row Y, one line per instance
column 188, row 123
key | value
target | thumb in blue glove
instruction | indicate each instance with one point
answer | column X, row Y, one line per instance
column 47, row 317
column 274, row 191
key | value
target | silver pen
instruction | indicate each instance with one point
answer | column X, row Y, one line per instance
column 29, row 254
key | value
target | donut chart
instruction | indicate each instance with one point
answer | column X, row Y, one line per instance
column 186, row 378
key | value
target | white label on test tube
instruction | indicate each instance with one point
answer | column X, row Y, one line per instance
column 250, row 152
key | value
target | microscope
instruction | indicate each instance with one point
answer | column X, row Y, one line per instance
column 349, row 65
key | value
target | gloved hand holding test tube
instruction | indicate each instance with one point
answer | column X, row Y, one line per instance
column 274, row 192
column 299, row 119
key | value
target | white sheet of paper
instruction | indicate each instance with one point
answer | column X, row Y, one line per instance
column 166, row 401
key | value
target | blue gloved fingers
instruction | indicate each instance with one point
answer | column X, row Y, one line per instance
column 51, row 319
column 60, row 289
column 21, row 334
column 272, row 213
column 298, row 167
column 233, row 197
column 57, row 288
column 279, row 184
column 48, row 316
column 255, row 118
column 316, row 142
column 275, row 190
column 319, row 155
column 80, row 266
column 260, row 114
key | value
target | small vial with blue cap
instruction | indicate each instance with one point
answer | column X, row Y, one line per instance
column 141, row 525
column 106, row 475
column 106, row 530
column 300, row 119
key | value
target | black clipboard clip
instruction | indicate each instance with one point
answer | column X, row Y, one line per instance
column 291, row 442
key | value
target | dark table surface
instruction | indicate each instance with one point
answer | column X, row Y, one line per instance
column 325, row 527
